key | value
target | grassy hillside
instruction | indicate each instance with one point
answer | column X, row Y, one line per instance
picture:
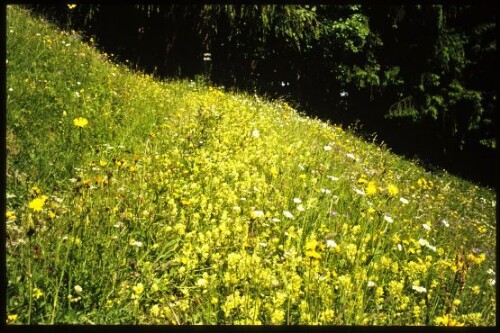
column 131, row 200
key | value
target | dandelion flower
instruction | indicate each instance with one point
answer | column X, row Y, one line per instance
column 392, row 189
column 80, row 122
column 371, row 189
column 37, row 203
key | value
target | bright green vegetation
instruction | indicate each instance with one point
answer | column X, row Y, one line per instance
column 181, row 203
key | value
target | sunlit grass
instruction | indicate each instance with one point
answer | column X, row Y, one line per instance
column 131, row 200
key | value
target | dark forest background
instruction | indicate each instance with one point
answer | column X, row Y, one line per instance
column 424, row 77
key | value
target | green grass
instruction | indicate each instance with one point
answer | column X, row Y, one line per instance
column 180, row 203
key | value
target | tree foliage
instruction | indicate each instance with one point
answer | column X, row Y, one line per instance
column 433, row 66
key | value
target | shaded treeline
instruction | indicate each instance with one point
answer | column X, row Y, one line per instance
column 422, row 76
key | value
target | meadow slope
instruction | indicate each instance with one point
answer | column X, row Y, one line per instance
column 133, row 200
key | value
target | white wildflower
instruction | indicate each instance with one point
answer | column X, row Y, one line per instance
column 360, row 192
column 288, row 214
column 330, row 243
column 423, row 242
column 133, row 242
column 419, row 289
column 257, row 213
column 388, row 218
column 202, row 282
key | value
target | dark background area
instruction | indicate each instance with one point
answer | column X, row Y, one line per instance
column 423, row 77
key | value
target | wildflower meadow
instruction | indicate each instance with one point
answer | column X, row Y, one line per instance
column 133, row 200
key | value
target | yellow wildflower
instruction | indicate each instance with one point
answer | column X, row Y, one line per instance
column 80, row 122
column 155, row 310
column 138, row 289
column 37, row 203
column 11, row 318
column 37, row 293
column 371, row 189
column 476, row 259
column 10, row 216
column 446, row 320
column 311, row 249
column 392, row 190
